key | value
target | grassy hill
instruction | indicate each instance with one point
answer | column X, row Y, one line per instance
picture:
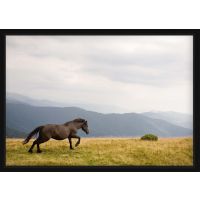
column 103, row 152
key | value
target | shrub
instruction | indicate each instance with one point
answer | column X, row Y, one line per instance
column 149, row 137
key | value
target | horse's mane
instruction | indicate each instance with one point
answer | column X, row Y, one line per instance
column 79, row 120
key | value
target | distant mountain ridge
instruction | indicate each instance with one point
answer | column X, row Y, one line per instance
column 24, row 118
column 13, row 133
column 21, row 99
column 180, row 119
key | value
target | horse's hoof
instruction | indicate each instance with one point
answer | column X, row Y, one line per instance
column 71, row 148
column 76, row 145
column 30, row 151
column 39, row 151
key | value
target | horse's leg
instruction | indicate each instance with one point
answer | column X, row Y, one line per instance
column 70, row 142
column 76, row 136
column 38, row 148
column 79, row 140
column 31, row 149
column 39, row 141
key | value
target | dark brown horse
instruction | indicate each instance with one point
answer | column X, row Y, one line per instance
column 58, row 132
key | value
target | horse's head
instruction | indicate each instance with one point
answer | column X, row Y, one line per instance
column 84, row 127
column 82, row 123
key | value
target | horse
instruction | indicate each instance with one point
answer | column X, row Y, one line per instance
column 57, row 132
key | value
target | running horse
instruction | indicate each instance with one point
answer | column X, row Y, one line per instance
column 57, row 132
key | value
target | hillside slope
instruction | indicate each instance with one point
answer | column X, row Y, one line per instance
column 180, row 119
column 24, row 118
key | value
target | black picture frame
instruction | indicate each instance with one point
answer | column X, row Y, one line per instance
column 196, row 99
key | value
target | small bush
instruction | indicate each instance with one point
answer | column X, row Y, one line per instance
column 149, row 137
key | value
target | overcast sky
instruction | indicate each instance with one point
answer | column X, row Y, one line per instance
column 103, row 73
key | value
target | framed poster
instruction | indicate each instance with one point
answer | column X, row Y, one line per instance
column 100, row 100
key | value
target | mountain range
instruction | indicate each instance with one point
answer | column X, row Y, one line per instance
column 22, row 117
column 180, row 119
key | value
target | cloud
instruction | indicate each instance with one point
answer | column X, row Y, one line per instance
column 123, row 73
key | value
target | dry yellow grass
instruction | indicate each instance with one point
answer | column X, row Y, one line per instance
column 103, row 152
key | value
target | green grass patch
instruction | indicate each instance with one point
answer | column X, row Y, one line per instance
column 149, row 137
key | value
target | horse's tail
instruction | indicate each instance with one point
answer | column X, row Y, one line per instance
column 32, row 134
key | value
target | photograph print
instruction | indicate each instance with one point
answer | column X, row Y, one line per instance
column 96, row 100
